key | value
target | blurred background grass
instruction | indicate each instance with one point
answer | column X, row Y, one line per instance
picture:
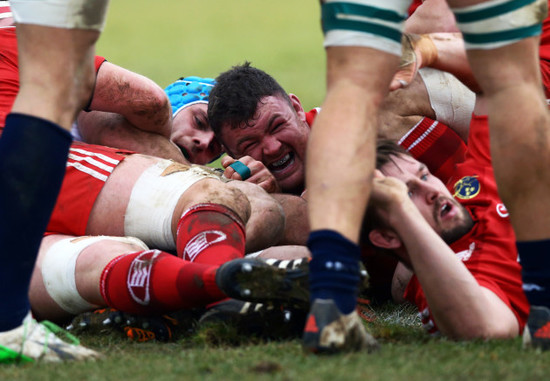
column 172, row 38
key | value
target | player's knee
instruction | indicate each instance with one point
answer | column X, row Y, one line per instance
column 493, row 24
column 216, row 192
column 267, row 221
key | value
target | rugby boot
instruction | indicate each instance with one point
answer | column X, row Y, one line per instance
column 255, row 280
column 262, row 320
column 537, row 330
column 135, row 327
column 327, row 330
column 33, row 341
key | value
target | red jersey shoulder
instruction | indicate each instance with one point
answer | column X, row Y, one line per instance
column 98, row 61
column 310, row 115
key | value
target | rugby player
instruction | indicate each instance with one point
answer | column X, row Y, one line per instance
column 33, row 152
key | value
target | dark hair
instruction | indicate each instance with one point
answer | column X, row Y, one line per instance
column 386, row 151
column 236, row 95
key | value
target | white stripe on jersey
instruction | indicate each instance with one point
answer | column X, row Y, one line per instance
column 101, row 156
column 89, row 171
column 91, row 163
column 421, row 137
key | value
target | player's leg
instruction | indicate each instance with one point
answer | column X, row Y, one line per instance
column 503, row 45
column 78, row 274
column 363, row 42
column 268, row 222
column 75, row 275
column 57, row 78
column 34, row 146
column 188, row 201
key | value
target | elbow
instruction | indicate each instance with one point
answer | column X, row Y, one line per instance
column 158, row 110
column 160, row 102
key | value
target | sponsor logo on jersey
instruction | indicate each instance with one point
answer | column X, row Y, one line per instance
column 502, row 211
column 467, row 187
column 200, row 242
column 140, row 275
column 464, row 255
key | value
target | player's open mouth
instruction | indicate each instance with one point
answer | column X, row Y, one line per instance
column 445, row 209
column 282, row 163
column 185, row 153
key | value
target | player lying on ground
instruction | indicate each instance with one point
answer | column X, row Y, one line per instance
column 174, row 207
column 458, row 242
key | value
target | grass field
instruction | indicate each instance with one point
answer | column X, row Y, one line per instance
column 167, row 39
column 406, row 354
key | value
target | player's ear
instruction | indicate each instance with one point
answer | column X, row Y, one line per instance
column 297, row 105
column 385, row 239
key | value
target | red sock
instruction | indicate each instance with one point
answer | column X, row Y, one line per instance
column 153, row 282
column 210, row 233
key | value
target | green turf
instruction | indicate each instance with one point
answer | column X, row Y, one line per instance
column 406, row 354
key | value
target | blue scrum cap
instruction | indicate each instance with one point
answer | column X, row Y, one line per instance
column 188, row 91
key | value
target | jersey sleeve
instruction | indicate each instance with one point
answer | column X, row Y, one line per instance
column 98, row 61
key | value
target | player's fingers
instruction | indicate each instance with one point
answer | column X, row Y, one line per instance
column 227, row 160
column 241, row 169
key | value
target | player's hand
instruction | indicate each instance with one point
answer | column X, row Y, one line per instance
column 418, row 51
column 388, row 194
column 251, row 170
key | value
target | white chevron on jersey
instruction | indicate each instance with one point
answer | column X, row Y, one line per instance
column 95, row 164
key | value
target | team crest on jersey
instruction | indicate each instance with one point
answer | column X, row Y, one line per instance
column 467, row 187
column 139, row 276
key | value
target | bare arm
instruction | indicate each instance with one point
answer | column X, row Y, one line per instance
column 446, row 83
column 442, row 51
column 131, row 112
column 139, row 99
column 461, row 308
column 402, row 109
column 113, row 130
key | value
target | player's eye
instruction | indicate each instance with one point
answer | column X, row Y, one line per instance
column 248, row 147
column 277, row 126
column 200, row 123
